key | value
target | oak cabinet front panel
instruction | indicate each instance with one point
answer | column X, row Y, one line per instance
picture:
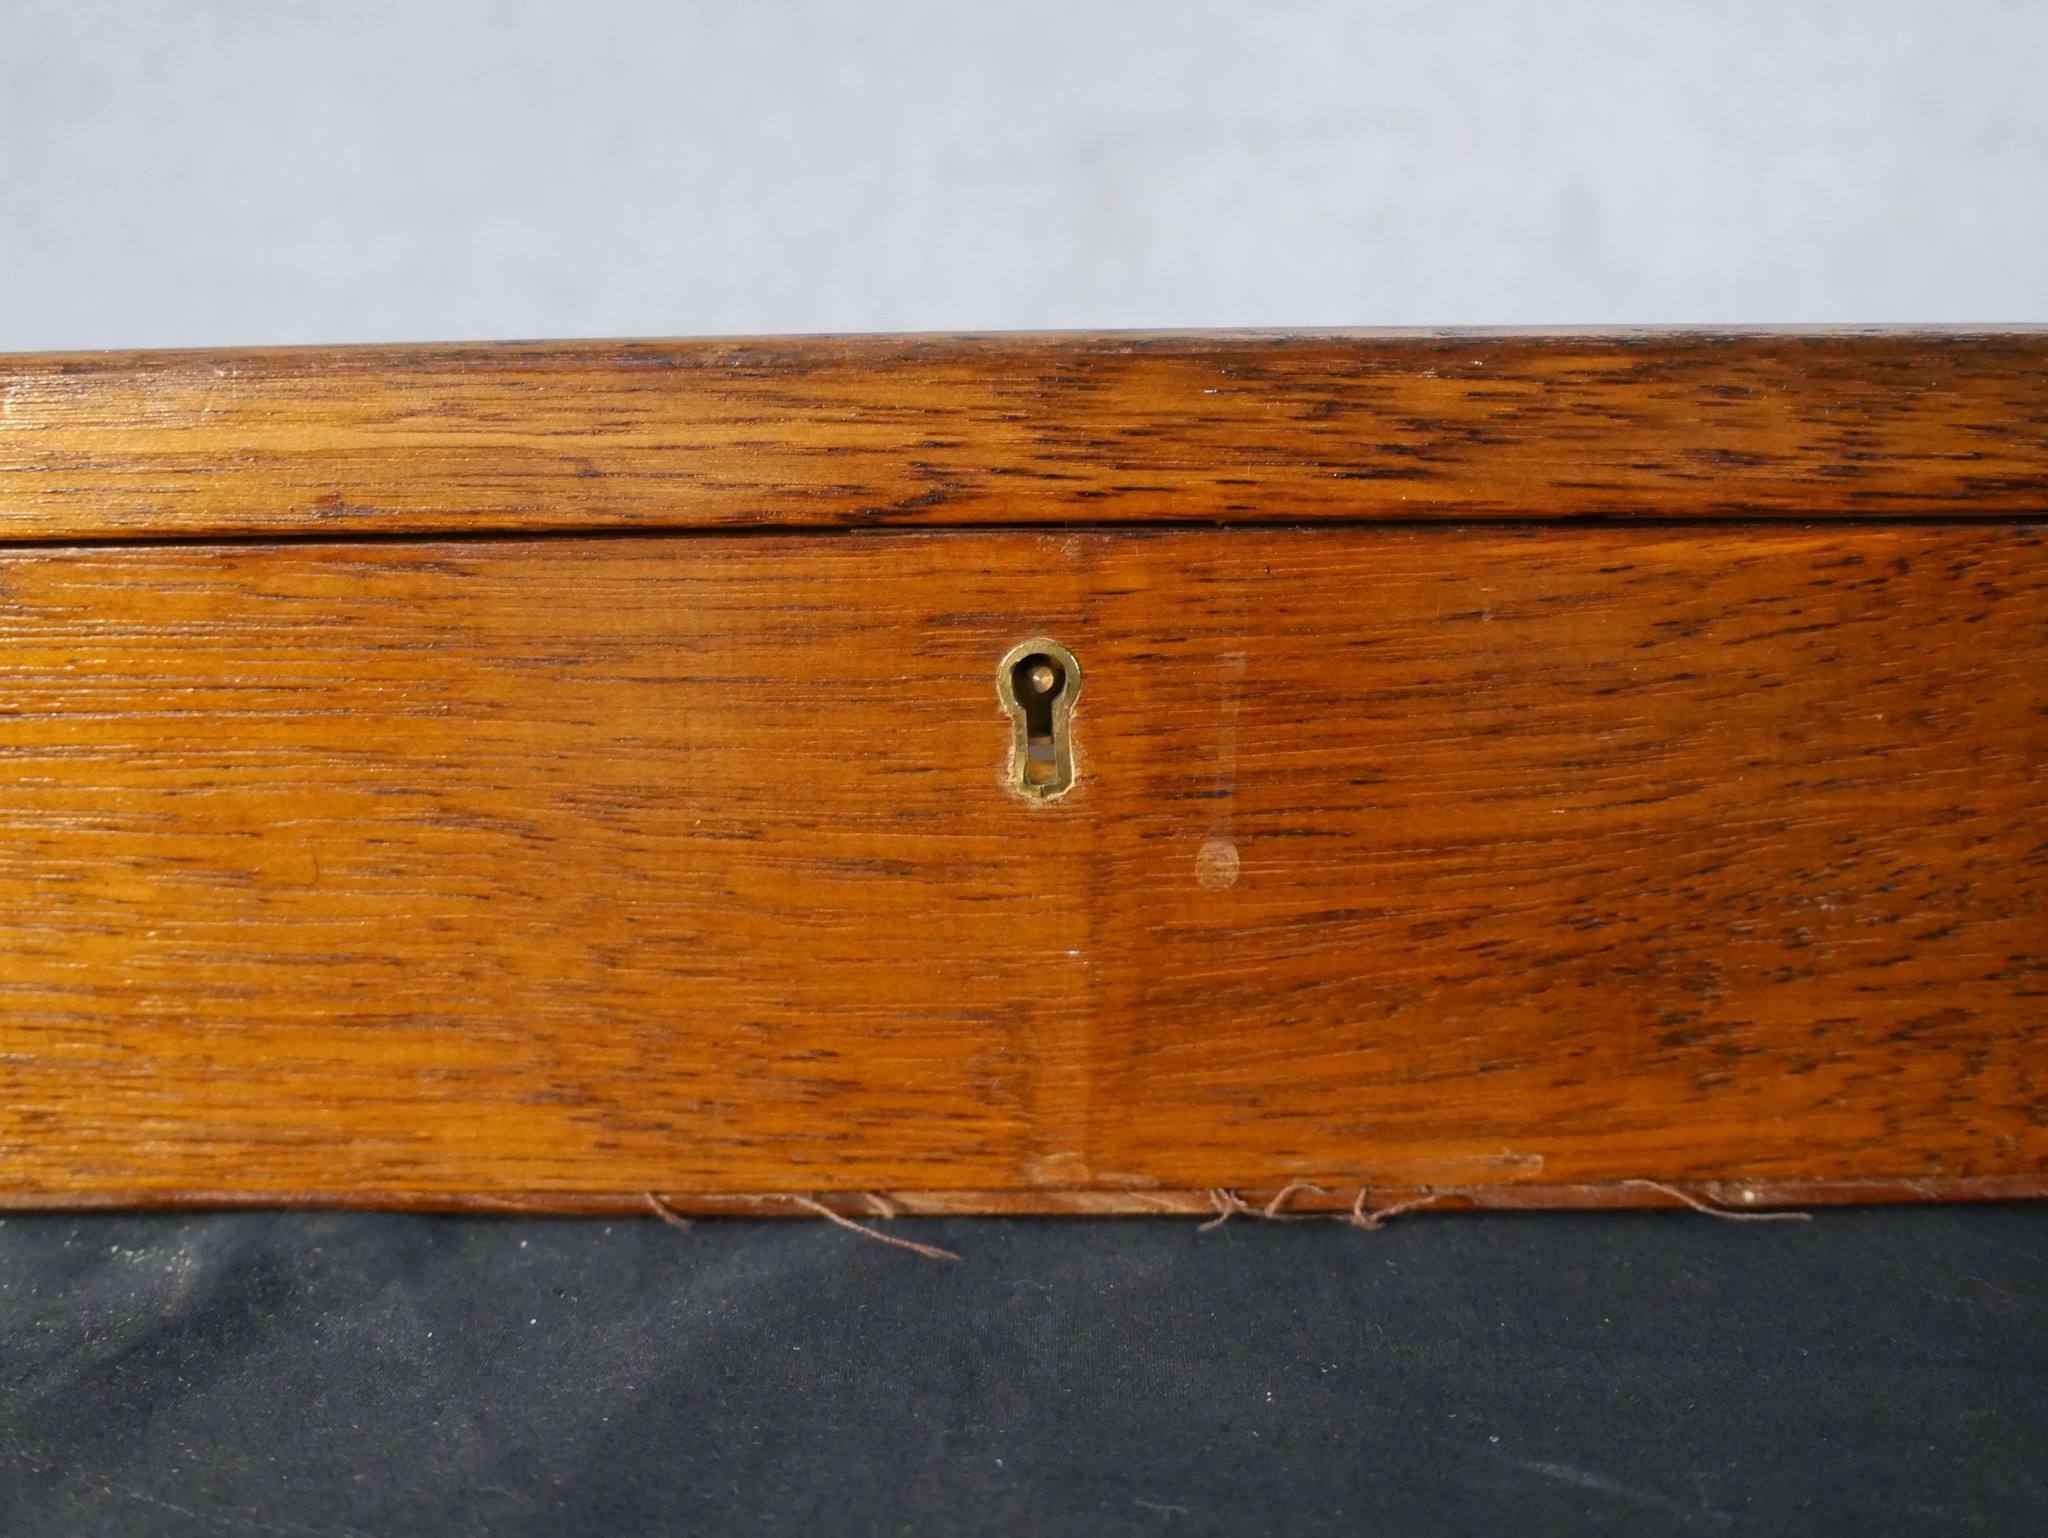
column 1460, row 857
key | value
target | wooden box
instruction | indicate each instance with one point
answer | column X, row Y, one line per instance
column 1501, row 769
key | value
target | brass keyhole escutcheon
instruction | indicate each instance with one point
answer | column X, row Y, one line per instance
column 1038, row 682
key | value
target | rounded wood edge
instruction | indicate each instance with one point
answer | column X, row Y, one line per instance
column 1035, row 430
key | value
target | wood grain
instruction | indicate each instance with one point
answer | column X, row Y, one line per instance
column 828, row 432
column 1515, row 864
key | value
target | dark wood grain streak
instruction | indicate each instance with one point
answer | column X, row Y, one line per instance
column 826, row 432
column 549, row 873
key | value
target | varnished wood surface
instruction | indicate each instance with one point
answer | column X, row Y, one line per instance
column 827, row 432
column 1508, row 865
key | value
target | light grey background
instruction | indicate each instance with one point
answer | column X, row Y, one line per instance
column 194, row 172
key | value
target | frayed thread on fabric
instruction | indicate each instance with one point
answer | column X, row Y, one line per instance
column 1276, row 1209
column 811, row 1205
column 1712, row 1210
column 1229, row 1204
column 666, row 1213
column 1360, row 1216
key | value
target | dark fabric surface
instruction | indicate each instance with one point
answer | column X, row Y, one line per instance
column 1873, row 1371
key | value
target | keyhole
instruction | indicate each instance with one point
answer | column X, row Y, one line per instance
column 1039, row 682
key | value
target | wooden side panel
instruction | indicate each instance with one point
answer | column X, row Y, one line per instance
column 511, row 867
column 1579, row 858
column 1501, row 861
column 1034, row 429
